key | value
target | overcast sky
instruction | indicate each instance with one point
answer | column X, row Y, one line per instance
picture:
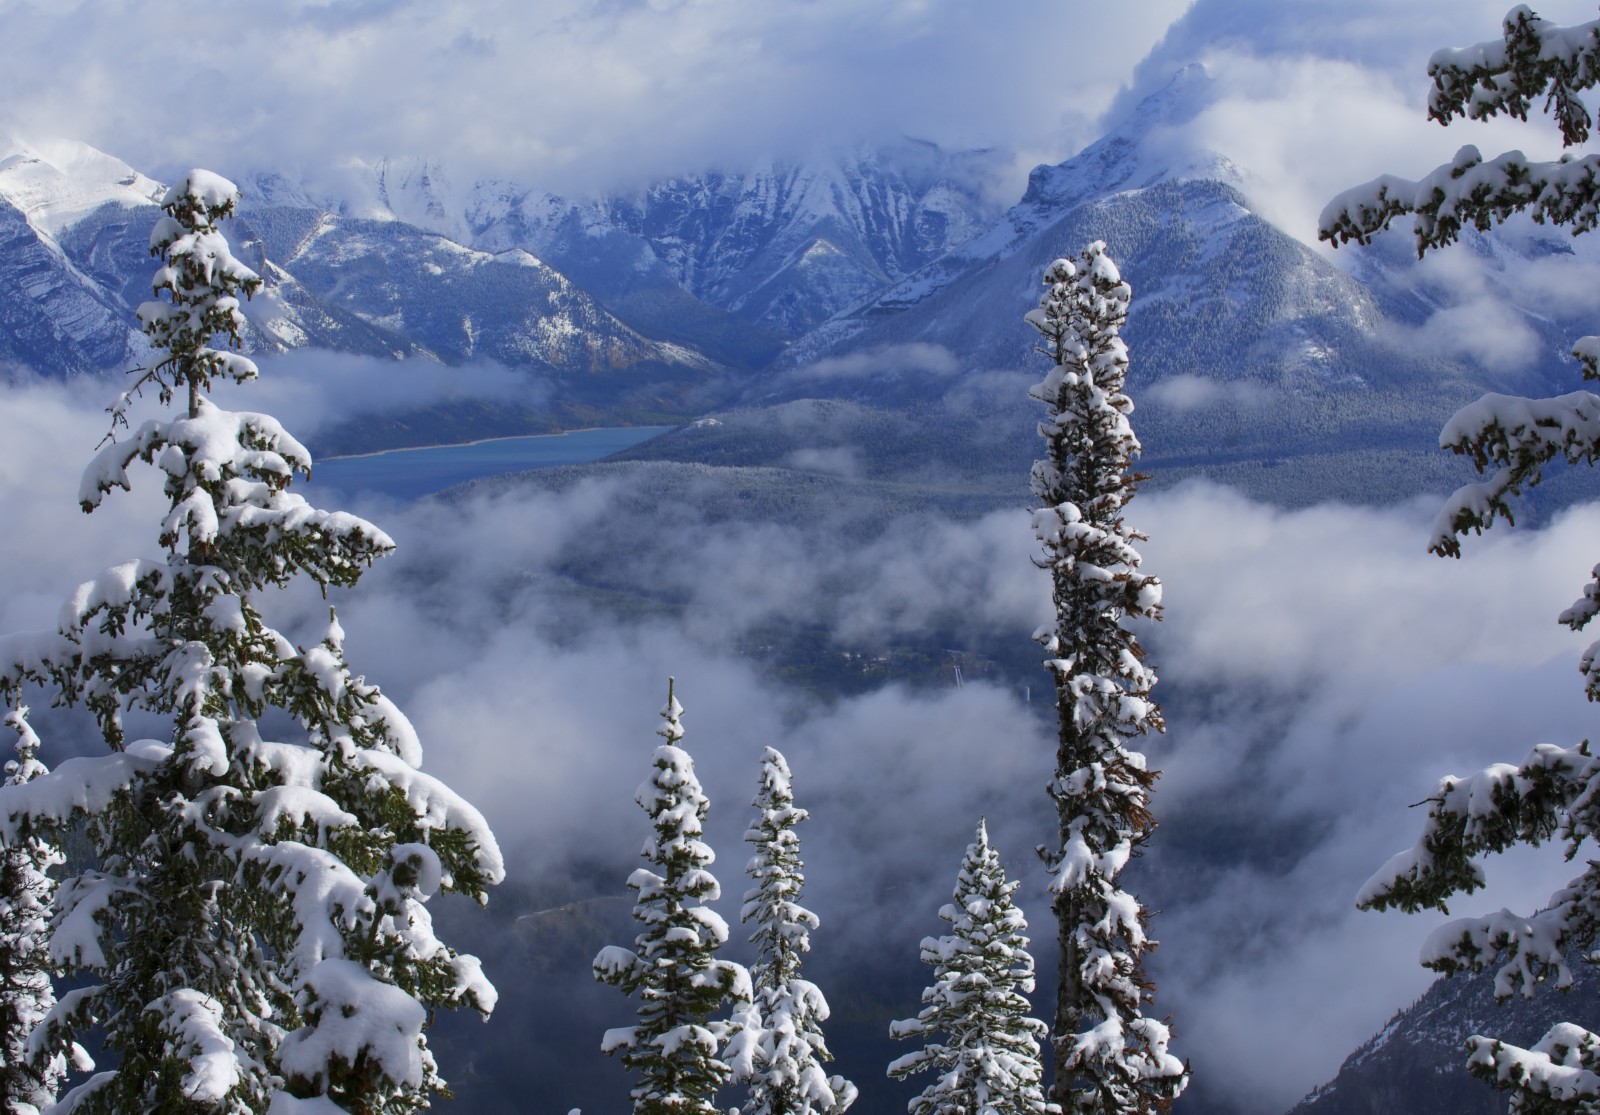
column 581, row 94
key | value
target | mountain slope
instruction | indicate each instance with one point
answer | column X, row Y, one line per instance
column 57, row 314
column 74, row 227
column 1255, row 360
column 781, row 246
column 1416, row 1065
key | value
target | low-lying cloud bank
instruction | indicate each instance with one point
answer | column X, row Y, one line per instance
column 1320, row 672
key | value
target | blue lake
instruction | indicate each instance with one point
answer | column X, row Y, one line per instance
column 413, row 473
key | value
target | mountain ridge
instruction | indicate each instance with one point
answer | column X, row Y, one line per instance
column 733, row 289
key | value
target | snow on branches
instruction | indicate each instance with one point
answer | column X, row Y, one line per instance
column 254, row 908
column 1108, row 1056
column 988, row 1061
column 673, row 967
column 1510, row 439
column 785, row 1048
column 203, row 282
column 1534, row 58
column 29, row 1076
column 1553, row 793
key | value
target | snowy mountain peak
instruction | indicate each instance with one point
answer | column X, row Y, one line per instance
column 1147, row 147
column 54, row 183
column 1151, row 151
column 411, row 190
column 1177, row 102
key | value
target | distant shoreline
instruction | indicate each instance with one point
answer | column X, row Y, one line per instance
column 479, row 441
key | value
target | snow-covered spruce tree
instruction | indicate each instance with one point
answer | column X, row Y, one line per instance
column 1555, row 793
column 1108, row 1056
column 988, row 1062
column 27, row 1084
column 673, row 966
column 253, row 919
column 786, row 1048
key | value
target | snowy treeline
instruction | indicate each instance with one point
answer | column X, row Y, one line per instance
column 771, row 1038
column 980, row 1040
column 704, row 1023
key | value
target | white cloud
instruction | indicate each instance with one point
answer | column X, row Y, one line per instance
column 917, row 358
column 1302, row 128
column 569, row 94
column 1348, row 671
column 1310, row 100
column 1485, row 330
column 1187, row 391
column 841, row 460
column 1487, row 295
column 49, row 432
column 311, row 389
column 1321, row 672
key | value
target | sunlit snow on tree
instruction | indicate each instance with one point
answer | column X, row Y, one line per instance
column 1108, row 1056
column 673, row 967
column 253, row 919
column 981, row 1043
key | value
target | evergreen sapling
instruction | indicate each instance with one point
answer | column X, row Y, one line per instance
column 783, row 1046
column 673, row 967
column 988, row 1061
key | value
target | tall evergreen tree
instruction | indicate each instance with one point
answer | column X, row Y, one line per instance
column 1555, row 791
column 254, row 910
column 786, row 1075
column 29, row 1077
column 673, row 967
column 1108, row 1056
column 988, row 1062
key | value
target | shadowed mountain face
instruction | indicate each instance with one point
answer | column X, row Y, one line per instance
column 790, row 245
column 1416, row 1065
column 735, row 262
column 51, row 316
column 1251, row 353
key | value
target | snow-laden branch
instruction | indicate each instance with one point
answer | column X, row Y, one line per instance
column 1534, row 58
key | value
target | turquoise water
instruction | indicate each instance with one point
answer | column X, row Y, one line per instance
column 413, row 473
